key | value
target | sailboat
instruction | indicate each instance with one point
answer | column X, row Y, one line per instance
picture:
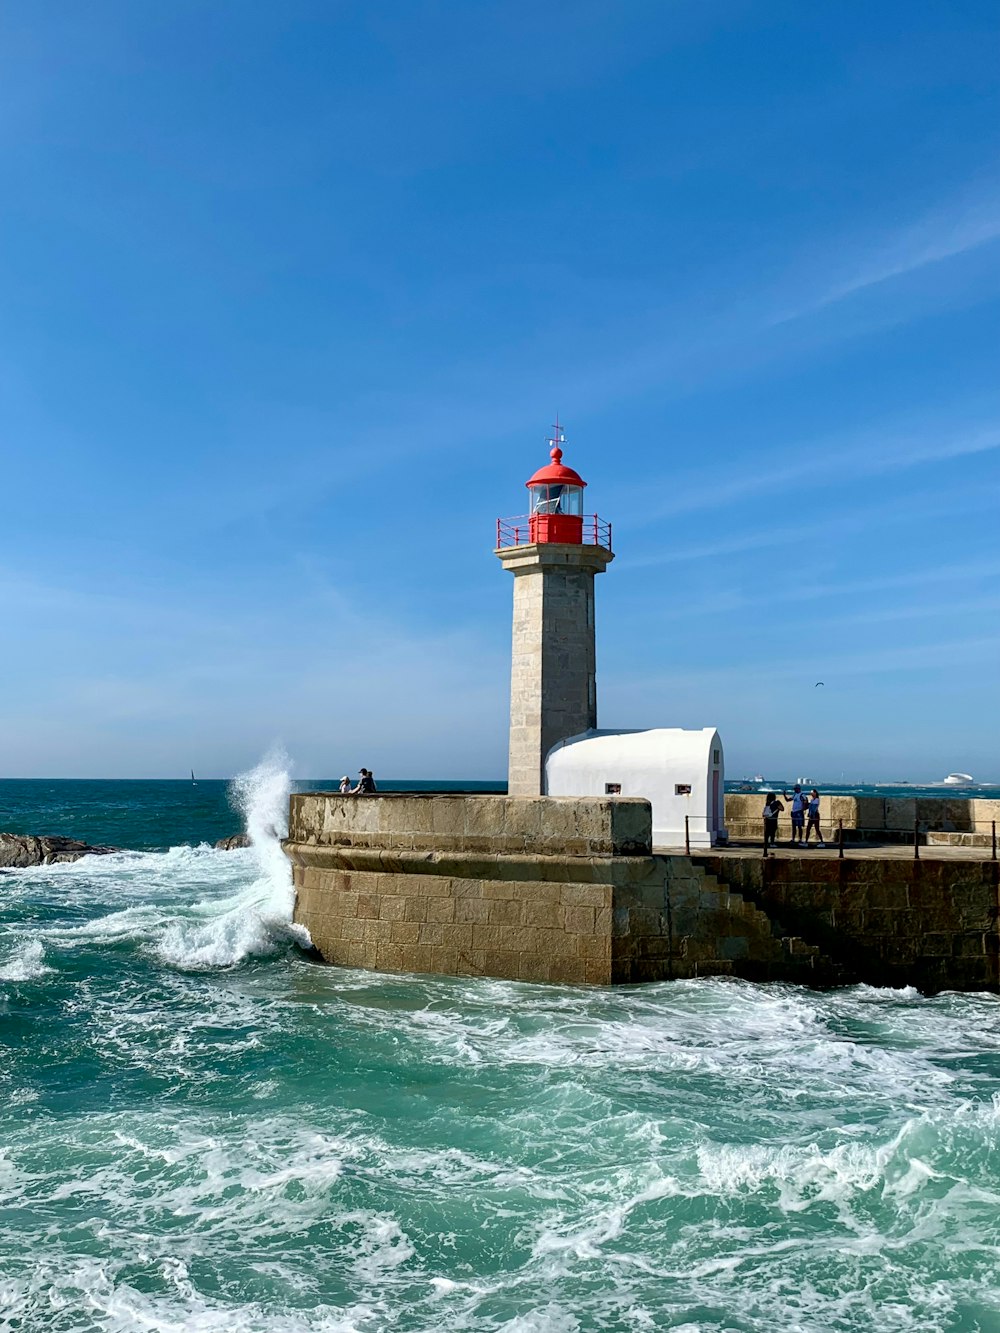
column 193, row 783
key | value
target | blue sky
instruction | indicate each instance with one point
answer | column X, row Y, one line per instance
column 289, row 295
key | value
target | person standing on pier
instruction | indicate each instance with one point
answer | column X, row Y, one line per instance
column 772, row 809
column 799, row 803
column 812, row 818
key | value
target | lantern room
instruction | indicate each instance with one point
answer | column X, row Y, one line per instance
column 555, row 512
column 556, row 491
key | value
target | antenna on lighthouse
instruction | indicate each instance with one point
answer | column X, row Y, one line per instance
column 557, row 439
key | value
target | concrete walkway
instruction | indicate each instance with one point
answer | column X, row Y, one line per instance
column 860, row 852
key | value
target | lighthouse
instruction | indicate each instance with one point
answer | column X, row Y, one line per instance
column 554, row 552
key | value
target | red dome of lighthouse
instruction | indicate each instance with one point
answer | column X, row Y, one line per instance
column 555, row 474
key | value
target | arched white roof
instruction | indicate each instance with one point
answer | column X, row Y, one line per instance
column 680, row 772
column 598, row 748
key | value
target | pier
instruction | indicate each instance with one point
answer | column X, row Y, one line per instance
column 572, row 890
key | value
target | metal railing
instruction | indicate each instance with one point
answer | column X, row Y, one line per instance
column 857, row 837
column 517, row 531
column 706, row 824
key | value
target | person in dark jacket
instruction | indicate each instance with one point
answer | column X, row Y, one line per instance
column 366, row 783
column 772, row 809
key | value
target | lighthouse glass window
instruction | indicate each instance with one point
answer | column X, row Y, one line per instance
column 557, row 499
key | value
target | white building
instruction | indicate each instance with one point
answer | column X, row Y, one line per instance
column 681, row 773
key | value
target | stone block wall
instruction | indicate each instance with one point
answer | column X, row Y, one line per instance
column 887, row 922
column 458, row 823
column 544, row 889
column 522, row 929
column 682, row 922
column 466, row 885
column 874, row 818
column 567, row 889
column 744, row 821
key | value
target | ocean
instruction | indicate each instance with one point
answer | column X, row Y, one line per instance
column 203, row 1129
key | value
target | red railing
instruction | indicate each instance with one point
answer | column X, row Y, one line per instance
column 517, row 531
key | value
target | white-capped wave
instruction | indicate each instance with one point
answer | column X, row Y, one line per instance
column 247, row 929
column 258, row 921
column 551, row 1318
column 114, row 1305
column 26, row 963
column 194, row 908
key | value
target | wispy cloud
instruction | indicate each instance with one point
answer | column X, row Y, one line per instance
column 943, row 234
column 680, row 352
column 170, row 682
column 929, row 242
column 979, row 606
column 834, row 526
column 871, row 453
column 838, row 592
column 982, row 650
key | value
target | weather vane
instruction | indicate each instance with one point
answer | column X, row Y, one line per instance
column 558, row 438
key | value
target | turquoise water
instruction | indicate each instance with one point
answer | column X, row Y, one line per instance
column 148, row 815
column 202, row 1129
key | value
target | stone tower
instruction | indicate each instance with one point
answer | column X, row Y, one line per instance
column 554, row 554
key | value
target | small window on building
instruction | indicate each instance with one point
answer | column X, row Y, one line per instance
column 682, row 789
column 612, row 789
column 715, row 756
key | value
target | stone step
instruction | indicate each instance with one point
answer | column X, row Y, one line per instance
column 801, row 954
column 954, row 838
column 798, row 953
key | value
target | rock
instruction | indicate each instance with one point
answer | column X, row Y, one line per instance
column 232, row 842
column 19, row 850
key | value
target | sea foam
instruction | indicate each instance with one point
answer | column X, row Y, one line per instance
column 258, row 920
column 194, row 908
column 26, row 963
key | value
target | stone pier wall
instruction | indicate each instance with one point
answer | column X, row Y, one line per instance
column 567, row 889
column 874, row 818
column 535, row 889
column 885, row 921
column 466, row 885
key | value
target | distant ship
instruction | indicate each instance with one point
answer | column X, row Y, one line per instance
column 959, row 780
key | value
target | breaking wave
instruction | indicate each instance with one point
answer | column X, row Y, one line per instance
column 26, row 962
column 192, row 907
